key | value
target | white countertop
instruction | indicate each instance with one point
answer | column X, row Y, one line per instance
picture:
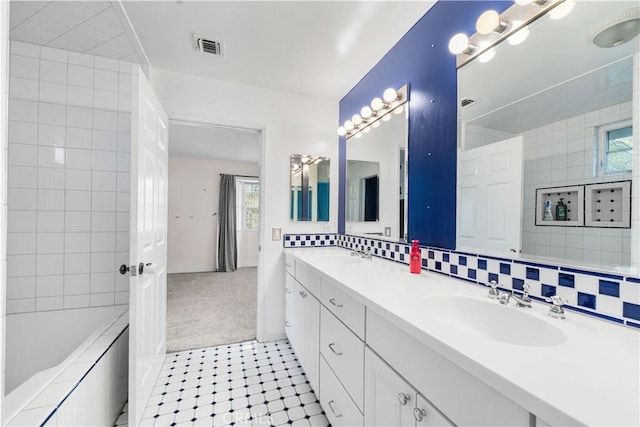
column 591, row 379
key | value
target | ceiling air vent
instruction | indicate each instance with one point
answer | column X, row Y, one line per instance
column 207, row 45
column 466, row 102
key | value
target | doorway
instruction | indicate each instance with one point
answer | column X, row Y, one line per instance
column 206, row 306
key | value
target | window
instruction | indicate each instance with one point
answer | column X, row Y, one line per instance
column 248, row 204
column 616, row 148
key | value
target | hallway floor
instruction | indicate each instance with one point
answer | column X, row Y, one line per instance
column 247, row 384
column 209, row 309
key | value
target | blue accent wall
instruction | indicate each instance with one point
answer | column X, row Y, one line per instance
column 422, row 59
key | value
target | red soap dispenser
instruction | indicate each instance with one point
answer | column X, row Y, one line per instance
column 415, row 263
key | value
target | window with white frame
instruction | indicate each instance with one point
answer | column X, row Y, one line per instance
column 616, row 148
column 247, row 204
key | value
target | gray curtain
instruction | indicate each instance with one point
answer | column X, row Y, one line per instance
column 227, row 245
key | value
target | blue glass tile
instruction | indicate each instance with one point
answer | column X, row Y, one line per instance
column 401, row 257
column 431, row 255
column 533, row 273
column 482, row 264
column 517, row 284
column 287, row 238
column 635, row 325
column 445, row 257
column 406, row 249
column 303, row 243
column 505, row 268
column 493, row 277
column 609, row 288
column 471, row 273
column 567, row 280
column 424, row 263
column 462, row 260
column 313, row 243
column 297, row 237
column 393, row 255
column 586, row 300
column 307, row 237
column 438, row 265
column 388, row 246
column 592, row 273
column 631, row 310
column 384, row 253
column 397, row 248
column 633, row 280
column 548, row 290
column 453, row 269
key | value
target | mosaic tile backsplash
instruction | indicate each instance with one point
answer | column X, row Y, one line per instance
column 609, row 296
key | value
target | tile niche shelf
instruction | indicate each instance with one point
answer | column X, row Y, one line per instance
column 573, row 197
column 608, row 205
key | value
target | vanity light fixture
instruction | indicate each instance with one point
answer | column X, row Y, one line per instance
column 512, row 25
column 617, row 30
column 392, row 100
column 490, row 22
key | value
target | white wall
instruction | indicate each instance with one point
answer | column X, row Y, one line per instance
column 68, row 179
column 4, row 100
column 194, row 191
column 291, row 124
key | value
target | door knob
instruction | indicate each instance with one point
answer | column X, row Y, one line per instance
column 131, row 269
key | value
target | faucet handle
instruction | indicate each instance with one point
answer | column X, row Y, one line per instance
column 525, row 289
column 556, row 300
column 493, row 284
column 494, row 293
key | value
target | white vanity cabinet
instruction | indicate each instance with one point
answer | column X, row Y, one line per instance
column 306, row 317
column 391, row 401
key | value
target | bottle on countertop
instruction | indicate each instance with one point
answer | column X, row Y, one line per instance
column 561, row 211
column 548, row 216
column 415, row 258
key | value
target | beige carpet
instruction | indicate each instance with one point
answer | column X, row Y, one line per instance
column 209, row 309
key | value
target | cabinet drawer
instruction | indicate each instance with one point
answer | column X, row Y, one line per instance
column 335, row 401
column 289, row 285
column 289, row 264
column 344, row 353
column 308, row 277
column 463, row 398
column 346, row 308
column 288, row 322
column 428, row 416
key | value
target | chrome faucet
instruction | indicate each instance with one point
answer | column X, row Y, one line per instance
column 556, row 310
column 362, row 254
column 494, row 292
column 521, row 301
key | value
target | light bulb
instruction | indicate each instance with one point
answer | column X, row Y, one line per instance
column 359, row 135
column 366, row 112
column 458, row 43
column 356, row 119
column 386, row 118
column 375, row 124
column 366, row 130
column 399, row 110
column 561, row 10
column 487, row 22
column 520, row 35
column 390, row 95
column 348, row 125
column 377, row 104
column 523, row 2
column 342, row 131
column 488, row 55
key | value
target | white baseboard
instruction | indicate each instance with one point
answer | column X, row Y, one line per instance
column 191, row 270
column 248, row 264
column 273, row 337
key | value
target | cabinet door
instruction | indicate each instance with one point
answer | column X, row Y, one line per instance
column 311, row 337
column 427, row 415
column 388, row 399
column 298, row 322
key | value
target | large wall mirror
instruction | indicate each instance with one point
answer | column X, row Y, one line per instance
column 375, row 190
column 309, row 188
column 550, row 121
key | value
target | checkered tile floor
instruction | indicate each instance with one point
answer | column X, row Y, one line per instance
column 246, row 384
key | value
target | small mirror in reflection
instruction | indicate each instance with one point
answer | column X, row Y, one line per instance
column 309, row 188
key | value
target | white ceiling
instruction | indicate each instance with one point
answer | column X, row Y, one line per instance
column 213, row 142
column 94, row 27
column 552, row 65
column 319, row 48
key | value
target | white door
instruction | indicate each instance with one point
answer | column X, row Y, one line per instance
column 388, row 399
column 148, row 246
column 489, row 208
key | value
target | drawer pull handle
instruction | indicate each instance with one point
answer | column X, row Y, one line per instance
column 287, row 324
column 287, row 290
column 333, row 302
column 288, row 265
column 304, row 294
column 334, row 350
column 336, row 414
column 403, row 398
column 419, row 414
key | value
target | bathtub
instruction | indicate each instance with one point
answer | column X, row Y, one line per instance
column 56, row 359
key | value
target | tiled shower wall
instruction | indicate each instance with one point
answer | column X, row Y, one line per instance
column 68, row 179
column 563, row 154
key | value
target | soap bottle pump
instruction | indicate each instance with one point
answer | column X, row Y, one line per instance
column 561, row 211
column 415, row 258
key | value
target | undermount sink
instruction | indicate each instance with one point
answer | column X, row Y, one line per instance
column 489, row 319
column 340, row 260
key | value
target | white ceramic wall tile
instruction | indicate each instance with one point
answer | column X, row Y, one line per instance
column 78, row 179
column 77, row 284
column 49, row 303
column 50, row 243
column 28, row 68
column 80, row 76
column 49, row 286
column 105, row 140
column 79, row 138
column 77, row 221
column 22, row 221
column 21, row 287
column 51, row 178
column 23, row 111
column 80, row 96
column 50, row 222
column 24, row 88
column 23, row 133
column 22, row 177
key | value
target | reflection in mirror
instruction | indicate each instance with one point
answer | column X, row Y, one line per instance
column 376, row 178
column 572, row 104
column 309, row 188
column 363, row 201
